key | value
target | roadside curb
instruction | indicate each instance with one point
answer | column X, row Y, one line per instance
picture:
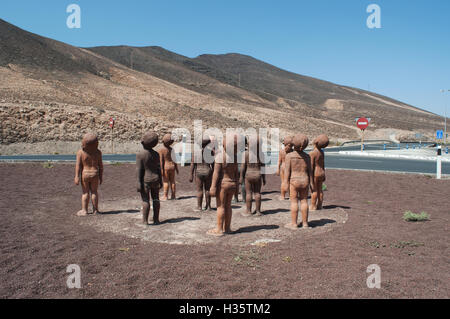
column 371, row 154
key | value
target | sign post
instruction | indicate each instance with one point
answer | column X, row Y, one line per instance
column 112, row 121
column 438, row 162
column 362, row 123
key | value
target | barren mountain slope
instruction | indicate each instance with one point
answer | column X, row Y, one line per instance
column 51, row 91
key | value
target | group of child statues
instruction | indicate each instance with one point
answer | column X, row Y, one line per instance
column 220, row 178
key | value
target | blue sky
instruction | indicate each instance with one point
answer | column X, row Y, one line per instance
column 407, row 59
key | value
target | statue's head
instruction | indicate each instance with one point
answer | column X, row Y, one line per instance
column 149, row 140
column 89, row 143
column 167, row 139
column 287, row 141
column 300, row 142
column 321, row 141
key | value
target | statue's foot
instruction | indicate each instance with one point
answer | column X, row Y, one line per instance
column 291, row 226
column 156, row 222
column 228, row 232
column 144, row 222
column 246, row 214
column 305, row 225
column 257, row 213
column 281, row 198
column 164, row 198
column 82, row 213
column 96, row 211
column 312, row 208
column 215, row 232
column 173, row 198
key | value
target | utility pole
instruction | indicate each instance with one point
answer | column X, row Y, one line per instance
column 131, row 59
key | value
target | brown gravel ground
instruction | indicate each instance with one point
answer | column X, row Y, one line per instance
column 40, row 236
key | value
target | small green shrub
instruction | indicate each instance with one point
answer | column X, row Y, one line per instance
column 324, row 187
column 409, row 216
column 403, row 244
column 47, row 165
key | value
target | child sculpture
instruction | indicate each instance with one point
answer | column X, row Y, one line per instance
column 89, row 167
column 298, row 177
column 224, row 183
column 281, row 164
column 168, row 167
column 203, row 176
column 252, row 176
column 149, row 180
column 318, row 171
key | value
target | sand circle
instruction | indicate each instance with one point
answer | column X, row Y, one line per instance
column 181, row 224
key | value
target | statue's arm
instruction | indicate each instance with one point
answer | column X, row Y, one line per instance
column 139, row 173
column 287, row 170
column 78, row 168
column 215, row 178
column 100, row 167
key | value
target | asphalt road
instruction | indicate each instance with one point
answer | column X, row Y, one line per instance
column 332, row 160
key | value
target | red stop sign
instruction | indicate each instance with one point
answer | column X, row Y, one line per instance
column 362, row 123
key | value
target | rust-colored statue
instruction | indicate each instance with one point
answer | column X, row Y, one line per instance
column 252, row 176
column 89, row 167
column 298, row 177
column 149, row 180
column 281, row 164
column 224, row 183
column 203, row 176
column 318, row 171
column 168, row 167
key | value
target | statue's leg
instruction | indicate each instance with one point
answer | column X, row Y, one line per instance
column 218, row 231
column 145, row 205
column 293, row 194
column 257, row 191
column 173, row 185
column 166, row 181
column 199, row 188
column 155, row 200
column 84, row 198
column 304, row 206
column 228, row 210
column 248, row 197
column 93, row 185
column 283, row 188
column 319, row 193
column 207, row 186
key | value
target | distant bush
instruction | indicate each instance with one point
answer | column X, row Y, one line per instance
column 47, row 165
column 409, row 216
column 324, row 187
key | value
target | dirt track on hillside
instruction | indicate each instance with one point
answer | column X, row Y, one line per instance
column 41, row 236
